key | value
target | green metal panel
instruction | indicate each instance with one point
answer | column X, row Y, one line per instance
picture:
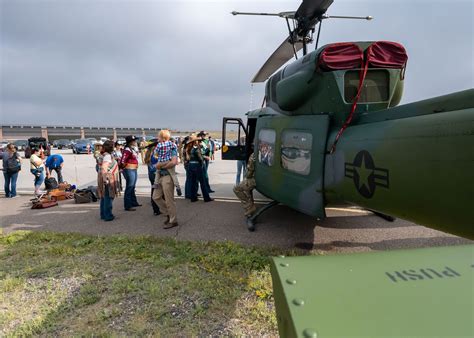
column 418, row 168
column 301, row 192
column 409, row 293
column 302, row 89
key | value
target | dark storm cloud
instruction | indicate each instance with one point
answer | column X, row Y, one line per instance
column 188, row 64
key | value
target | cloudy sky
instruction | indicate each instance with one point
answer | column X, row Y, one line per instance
column 186, row 64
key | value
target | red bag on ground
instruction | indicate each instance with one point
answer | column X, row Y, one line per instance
column 44, row 204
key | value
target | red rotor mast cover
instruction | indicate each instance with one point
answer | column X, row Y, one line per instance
column 339, row 56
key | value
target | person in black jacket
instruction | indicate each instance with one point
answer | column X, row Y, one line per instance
column 195, row 162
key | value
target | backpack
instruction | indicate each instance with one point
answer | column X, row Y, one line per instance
column 51, row 183
column 13, row 164
column 85, row 195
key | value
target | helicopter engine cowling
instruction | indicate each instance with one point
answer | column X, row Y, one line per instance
column 327, row 80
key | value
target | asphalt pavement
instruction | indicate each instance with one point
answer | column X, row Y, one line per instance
column 344, row 230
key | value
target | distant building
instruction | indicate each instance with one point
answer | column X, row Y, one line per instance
column 51, row 133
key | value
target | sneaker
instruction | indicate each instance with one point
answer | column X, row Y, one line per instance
column 179, row 192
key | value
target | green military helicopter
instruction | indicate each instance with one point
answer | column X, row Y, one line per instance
column 331, row 131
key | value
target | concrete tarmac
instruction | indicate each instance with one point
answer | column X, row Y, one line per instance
column 345, row 229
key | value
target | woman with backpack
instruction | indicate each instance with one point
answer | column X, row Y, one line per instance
column 37, row 169
column 129, row 166
column 11, row 168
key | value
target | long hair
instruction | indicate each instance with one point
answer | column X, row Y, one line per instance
column 148, row 154
column 107, row 147
column 188, row 148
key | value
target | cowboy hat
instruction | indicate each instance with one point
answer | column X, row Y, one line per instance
column 192, row 139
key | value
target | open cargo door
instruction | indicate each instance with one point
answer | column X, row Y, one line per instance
column 234, row 138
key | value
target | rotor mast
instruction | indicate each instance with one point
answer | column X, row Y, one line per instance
column 305, row 19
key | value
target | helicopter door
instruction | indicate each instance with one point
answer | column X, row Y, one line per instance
column 234, row 135
column 289, row 162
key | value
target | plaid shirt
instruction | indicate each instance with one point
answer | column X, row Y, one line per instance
column 164, row 151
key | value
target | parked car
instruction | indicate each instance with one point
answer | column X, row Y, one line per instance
column 37, row 142
column 63, row 144
column 21, row 144
column 92, row 140
column 218, row 144
column 80, row 147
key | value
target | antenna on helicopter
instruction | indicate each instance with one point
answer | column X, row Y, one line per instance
column 305, row 18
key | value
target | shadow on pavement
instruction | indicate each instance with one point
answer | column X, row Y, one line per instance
column 280, row 227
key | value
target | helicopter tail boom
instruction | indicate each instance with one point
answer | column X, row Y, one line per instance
column 418, row 168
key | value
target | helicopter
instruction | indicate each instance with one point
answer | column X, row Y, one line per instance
column 331, row 131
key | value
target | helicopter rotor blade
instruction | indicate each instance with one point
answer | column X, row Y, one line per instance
column 279, row 57
column 309, row 14
column 312, row 8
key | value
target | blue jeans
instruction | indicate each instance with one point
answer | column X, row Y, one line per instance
column 39, row 178
column 196, row 174
column 241, row 169
column 129, row 198
column 106, row 206
column 187, row 184
column 206, row 176
column 10, row 183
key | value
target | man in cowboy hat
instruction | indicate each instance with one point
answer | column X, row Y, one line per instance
column 206, row 154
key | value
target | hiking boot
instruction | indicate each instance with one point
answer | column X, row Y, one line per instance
column 170, row 225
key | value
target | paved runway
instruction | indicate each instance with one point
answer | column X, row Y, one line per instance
column 345, row 229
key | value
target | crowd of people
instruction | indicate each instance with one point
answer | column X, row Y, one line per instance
column 161, row 156
column 114, row 162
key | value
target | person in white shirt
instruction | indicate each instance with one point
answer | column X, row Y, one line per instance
column 37, row 169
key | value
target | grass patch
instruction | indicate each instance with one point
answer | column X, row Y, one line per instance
column 70, row 284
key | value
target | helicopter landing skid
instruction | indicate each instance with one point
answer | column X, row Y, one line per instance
column 253, row 219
